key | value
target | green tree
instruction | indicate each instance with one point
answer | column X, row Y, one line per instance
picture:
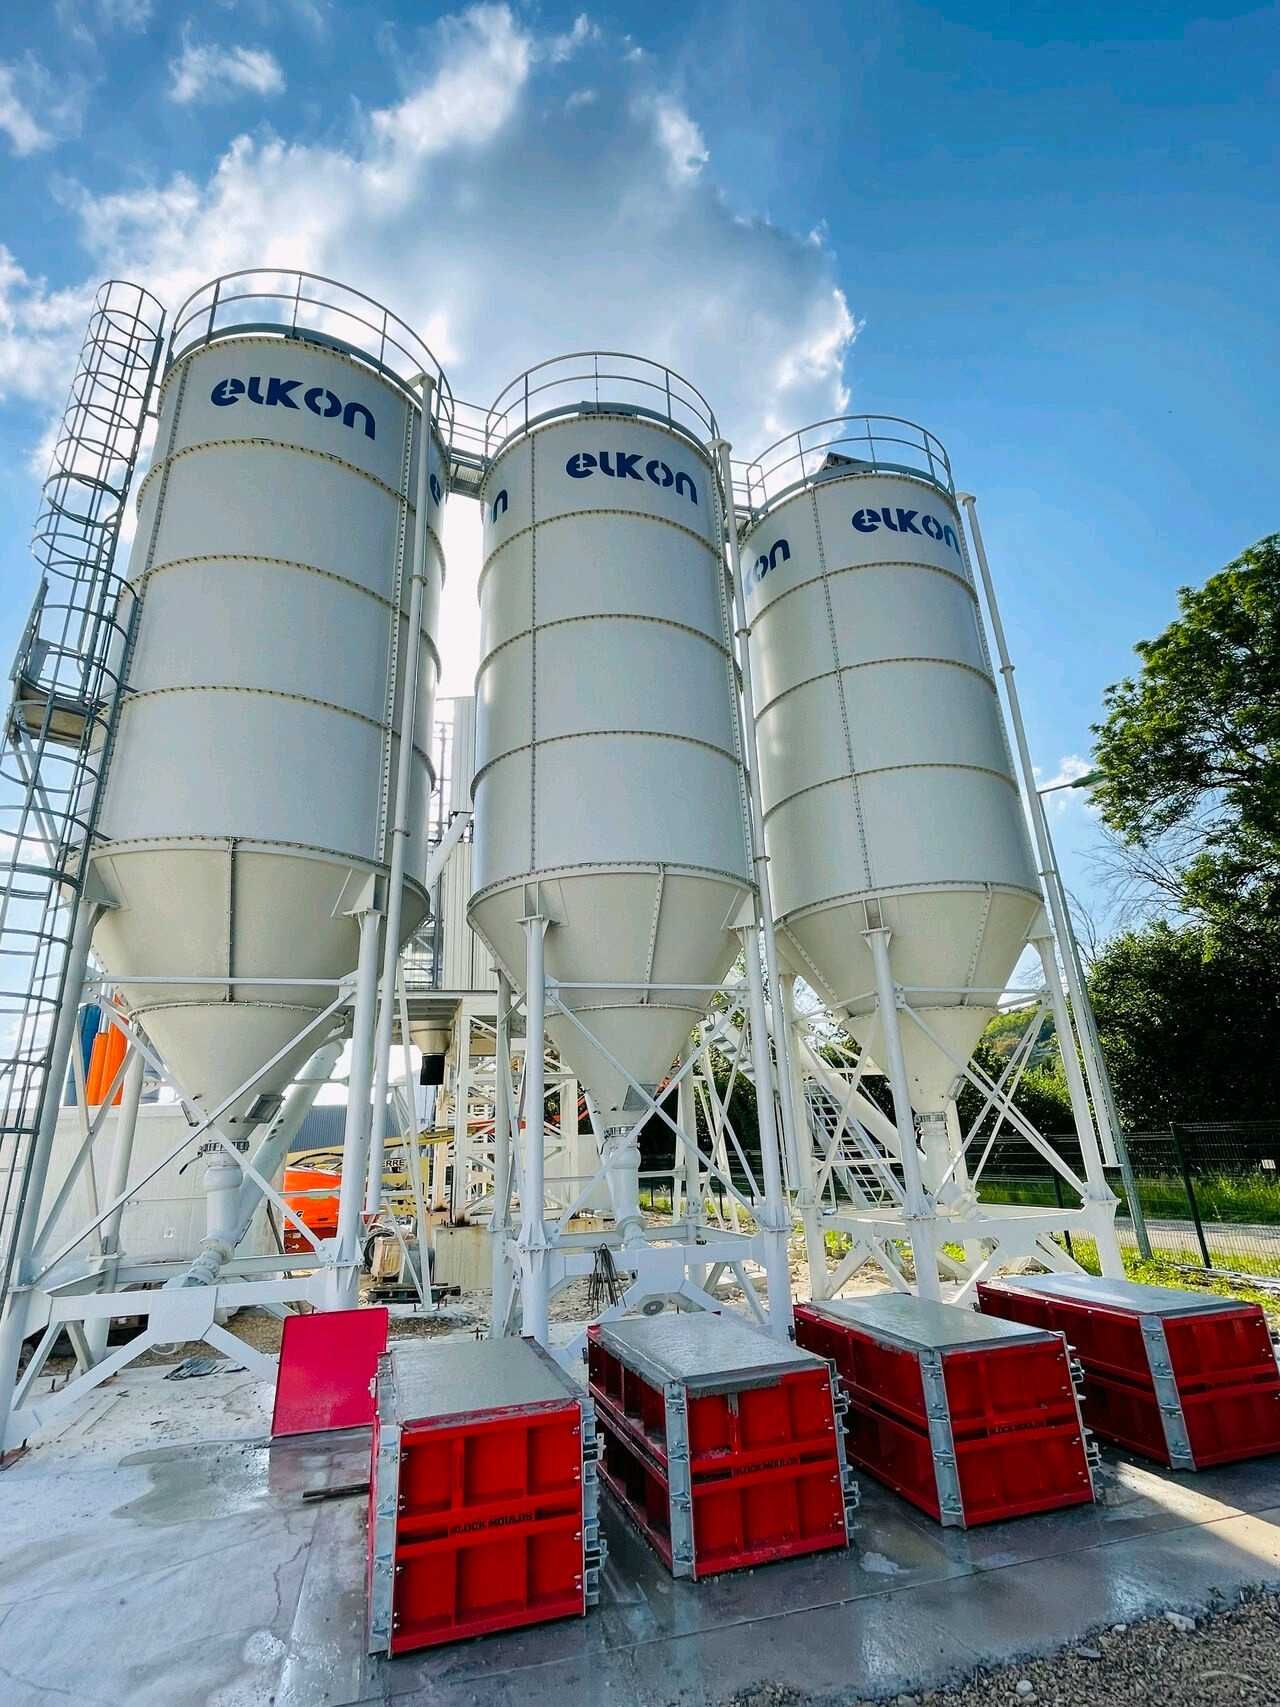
column 1189, row 753
column 1188, row 1020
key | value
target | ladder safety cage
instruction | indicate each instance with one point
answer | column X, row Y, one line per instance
column 67, row 681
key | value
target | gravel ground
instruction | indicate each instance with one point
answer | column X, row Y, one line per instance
column 1229, row 1658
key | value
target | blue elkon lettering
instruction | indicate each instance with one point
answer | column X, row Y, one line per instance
column 778, row 552
column 904, row 521
column 626, row 466
column 318, row 398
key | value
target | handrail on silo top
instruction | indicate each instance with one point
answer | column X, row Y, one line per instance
column 301, row 304
column 569, row 385
column 883, row 444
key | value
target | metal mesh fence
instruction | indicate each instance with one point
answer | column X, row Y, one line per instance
column 1209, row 1193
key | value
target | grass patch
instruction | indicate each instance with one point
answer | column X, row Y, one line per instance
column 1230, row 1198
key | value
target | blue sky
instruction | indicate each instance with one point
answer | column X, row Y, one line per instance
column 1052, row 229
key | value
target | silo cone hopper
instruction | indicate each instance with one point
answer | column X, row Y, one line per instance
column 948, row 951
column 636, row 928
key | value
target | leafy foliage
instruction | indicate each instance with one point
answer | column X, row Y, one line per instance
column 1189, row 752
column 1189, row 1020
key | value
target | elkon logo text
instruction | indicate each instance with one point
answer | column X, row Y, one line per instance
column 622, row 465
column 904, row 521
column 279, row 394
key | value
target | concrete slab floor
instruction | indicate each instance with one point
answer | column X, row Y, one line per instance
column 157, row 1551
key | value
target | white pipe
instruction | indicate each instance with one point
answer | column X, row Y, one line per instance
column 401, row 818
column 533, row 1229
column 792, row 1137
column 345, row 1280
column 916, row 1209
column 775, row 1218
column 1049, row 876
column 126, row 1125
column 500, row 1297
column 413, row 1154
column 14, row 1326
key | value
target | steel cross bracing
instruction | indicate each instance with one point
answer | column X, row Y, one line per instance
column 717, row 1229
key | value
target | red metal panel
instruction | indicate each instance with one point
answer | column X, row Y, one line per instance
column 327, row 1364
column 636, row 1482
column 489, row 1534
column 764, row 1464
column 1223, row 1364
column 1019, row 1446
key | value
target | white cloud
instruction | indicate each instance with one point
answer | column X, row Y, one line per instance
column 507, row 230
column 36, row 112
column 680, row 140
column 219, row 73
column 125, row 14
column 565, row 46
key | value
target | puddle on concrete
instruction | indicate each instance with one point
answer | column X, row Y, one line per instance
column 879, row 1565
column 197, row 1483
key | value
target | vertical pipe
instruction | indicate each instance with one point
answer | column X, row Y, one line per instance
column 500, row 1298
column 461, row 1176
column 1049, row 875
column 27, row 1220
column 413, row 1154
column 344, row 1284
column 776, row 1217
column 746, row 709
column 533, row 1230
column 1070, row 1061
column 95, row 1332
column 401, row 819
column 917, row 1210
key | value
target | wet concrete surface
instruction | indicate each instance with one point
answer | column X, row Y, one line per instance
column 159, row 1552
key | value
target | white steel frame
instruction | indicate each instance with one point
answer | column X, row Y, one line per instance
column 681, row 1261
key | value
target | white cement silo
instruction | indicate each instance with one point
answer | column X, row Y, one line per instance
column 889, row 794
column 609, row 793
column 249, row 792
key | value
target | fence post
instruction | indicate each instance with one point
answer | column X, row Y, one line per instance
column 1185, row 1165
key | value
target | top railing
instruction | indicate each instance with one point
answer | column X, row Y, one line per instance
column 306, row 305
column 881, row 444
column 597, row 381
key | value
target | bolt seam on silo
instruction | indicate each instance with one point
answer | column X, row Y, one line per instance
column 844, row 709
column 587, row 734
column 287, row 563
column 875, row 663
column 576, row 516
column 272, row 693
column 397, row 615
column 606, row 616
column 162, row 465
column 621, row 865
column 888, row 770
column 979, row 937
column 857, row 568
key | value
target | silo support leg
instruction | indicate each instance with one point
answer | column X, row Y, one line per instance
column 534, row 1251
column 343, row 1290
column 918, row 1210
column 500, row 1256
column 807, row 1197
column 774, row 1215
column 95, row 1332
